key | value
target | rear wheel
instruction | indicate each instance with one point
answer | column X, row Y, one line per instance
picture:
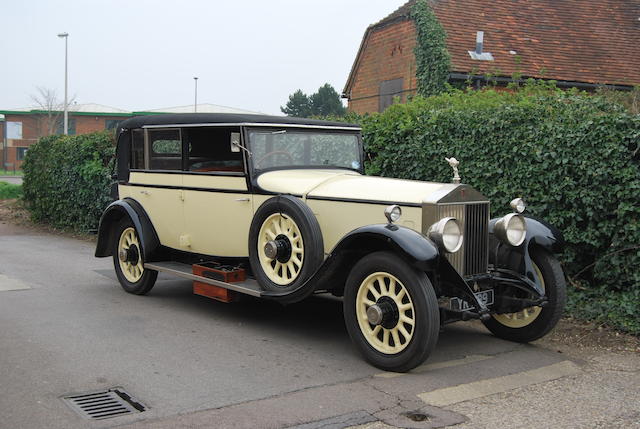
column 128, row 260
column 391, row 312
column 535, row 322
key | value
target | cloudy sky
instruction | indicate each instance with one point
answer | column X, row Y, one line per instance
column 143, row 54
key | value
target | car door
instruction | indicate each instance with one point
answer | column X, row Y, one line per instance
column 217, row 203
column 157, row 186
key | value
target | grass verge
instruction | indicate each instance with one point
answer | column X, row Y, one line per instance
column 9, row 191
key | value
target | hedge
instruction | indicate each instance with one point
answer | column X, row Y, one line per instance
column 67, row 179
column 573, row 157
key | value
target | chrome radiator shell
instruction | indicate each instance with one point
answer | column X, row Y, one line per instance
column 471, row 209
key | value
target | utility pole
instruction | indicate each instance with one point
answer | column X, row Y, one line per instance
column 65, row 36
column 195, row 102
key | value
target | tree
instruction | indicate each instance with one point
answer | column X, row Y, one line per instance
column 298, row 105
column 325, row 102
column 47, row 101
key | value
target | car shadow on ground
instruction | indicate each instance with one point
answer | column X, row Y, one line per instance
column 319, row 317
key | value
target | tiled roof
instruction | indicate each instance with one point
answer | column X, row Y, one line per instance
column 99, row 109
column 78, row 108
column 202, row 108
column 571, row 40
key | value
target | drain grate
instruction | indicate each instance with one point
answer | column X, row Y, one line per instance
column 104, row 404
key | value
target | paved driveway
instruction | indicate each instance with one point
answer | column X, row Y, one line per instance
column 66, row 327
column 16, row 180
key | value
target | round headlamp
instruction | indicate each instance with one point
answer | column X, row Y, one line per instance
column 511, row 229
column 518, row 205
column 393, row 213
column 447, row 234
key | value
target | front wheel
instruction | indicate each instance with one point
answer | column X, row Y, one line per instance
column 391, row 312
column 128, row 260
column 535, row 322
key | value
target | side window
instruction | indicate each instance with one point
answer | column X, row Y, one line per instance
column 137, row 149
column 210, row 150
column 165, row 149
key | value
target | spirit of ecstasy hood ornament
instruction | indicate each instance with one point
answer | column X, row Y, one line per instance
column 454, row 164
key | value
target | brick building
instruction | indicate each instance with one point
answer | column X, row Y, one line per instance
column 23, row 127
column 578, row 43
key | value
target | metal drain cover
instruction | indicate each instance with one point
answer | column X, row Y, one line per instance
column 104, row 404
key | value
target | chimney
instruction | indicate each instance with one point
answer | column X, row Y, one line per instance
column 478, row 54
column 479, row 42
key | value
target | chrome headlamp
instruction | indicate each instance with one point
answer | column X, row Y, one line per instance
column 447, row 234
column 511, row 229
column 393, row 213
column 518, row 205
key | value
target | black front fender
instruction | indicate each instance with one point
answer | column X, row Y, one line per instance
column 112, row 215
column 410, row 245
column 518, row 259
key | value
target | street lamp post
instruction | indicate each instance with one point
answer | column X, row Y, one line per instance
column 65, row 36
column 195, row 102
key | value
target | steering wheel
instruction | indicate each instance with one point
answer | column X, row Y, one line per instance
column 275, row 152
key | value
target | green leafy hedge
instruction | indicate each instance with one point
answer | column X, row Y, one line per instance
column 67, row 179
column 573, row 157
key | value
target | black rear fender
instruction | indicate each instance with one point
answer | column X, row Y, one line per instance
column 134, row 211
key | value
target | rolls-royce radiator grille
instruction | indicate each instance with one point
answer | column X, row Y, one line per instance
column 472, row 258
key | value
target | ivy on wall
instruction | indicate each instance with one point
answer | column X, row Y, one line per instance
column 432, row 58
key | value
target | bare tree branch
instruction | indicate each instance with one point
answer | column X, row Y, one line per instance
column 47, row 101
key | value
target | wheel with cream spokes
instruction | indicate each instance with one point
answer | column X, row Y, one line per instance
column 129, row 262
column 531, row 323
column 391, row 312
column 282, row 257
column 285, row 244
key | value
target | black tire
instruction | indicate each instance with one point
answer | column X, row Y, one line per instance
column 147, row 278
column 287, row 209
column 407, row 354
column 547, row 318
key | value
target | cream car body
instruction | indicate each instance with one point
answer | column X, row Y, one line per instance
column 282, row 209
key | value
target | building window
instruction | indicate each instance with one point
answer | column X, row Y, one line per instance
column 14, row 130
column 112, row 124
column 389, row 89
column 165, row 149
column 71, row 126
column 21, row 152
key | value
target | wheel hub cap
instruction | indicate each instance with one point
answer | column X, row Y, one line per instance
column 279, row 249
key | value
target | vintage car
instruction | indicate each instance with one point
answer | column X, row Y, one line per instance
column 280, row 208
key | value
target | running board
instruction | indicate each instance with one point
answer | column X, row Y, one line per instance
column 247, row 287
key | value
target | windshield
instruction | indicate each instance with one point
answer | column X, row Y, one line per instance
column 280, row 148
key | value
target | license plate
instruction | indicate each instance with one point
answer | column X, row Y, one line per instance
column 485, row 297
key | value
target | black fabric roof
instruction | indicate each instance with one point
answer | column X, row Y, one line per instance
column 223, row 118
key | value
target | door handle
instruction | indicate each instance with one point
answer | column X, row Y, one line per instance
column 242, row 199
column 145, row 192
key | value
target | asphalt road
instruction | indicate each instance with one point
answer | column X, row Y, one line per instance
column 16, row 180
column 66, row 327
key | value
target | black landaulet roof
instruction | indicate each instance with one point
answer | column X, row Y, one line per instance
column 226, row 118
